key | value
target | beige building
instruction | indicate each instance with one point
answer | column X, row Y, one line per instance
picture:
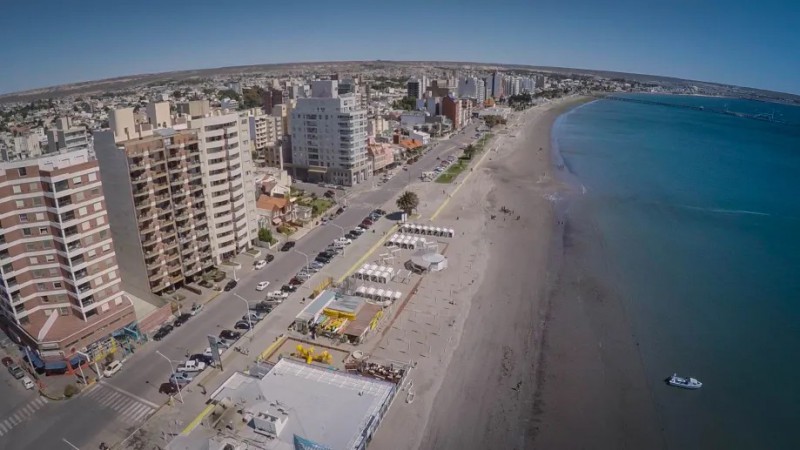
column 265, row 133
column 60, row 287
column 66, row 137
column 157, row 208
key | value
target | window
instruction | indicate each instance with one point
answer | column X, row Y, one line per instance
column 103, row 234
column 33, row 187
column 93, row 176
column 40, row 287
column 95, row 192
column 47, row 244
column 86, row 225
column 39, row 217
column 31, row 247
column 88, row 240
column 26, row 232
column 82, row 211
column 97, row 206
column 44, row 230
column 112, row 275
column 79, row 196
column 49, row 258
column 38, row 273
column 33, row 260
column 76, row 181
column 46, row 299
column 23, row 171
column 106, row 248
column 20, row 203
column 92, row 253
column 23, row 218
column 63, row 311
column 101, row 220
column 17, row 189
column 57, row 285
column 53, row 272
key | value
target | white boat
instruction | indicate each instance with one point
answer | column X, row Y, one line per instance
column 684, row 382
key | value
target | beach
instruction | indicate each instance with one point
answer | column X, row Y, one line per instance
column 540, row 356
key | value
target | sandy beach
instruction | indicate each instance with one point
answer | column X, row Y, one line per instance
column 539, row 358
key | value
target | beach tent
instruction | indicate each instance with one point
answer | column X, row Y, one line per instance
column 397, row 295
column 361, row 291
column 370, row 293
column 379, row 294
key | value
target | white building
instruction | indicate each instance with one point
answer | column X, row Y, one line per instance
column 21, row 147
column 329, row 136
column 66, row 137
column 265, row 132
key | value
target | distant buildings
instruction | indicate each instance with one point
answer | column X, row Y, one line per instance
column 329, row 137
column 494, row 85
column 473, row 88
column 67, row 137
column 60, row 283
column 415, row 88
column 451, row 108
column 265, row 134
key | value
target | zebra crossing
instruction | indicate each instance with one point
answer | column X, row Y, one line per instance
column 131, row 407
column 21, row 414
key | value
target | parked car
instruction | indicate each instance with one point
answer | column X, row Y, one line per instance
column 242, row 325
column 208, row 360
column 181, row 378
column 27, row 382
column 7, row 361
column 230, row 335
column 323, row 259
column 182, row 319
column 264, row 307
column 262, row 285
column 343, row 240
column 196, row 308
column 295, row 282
column 269, row 258
column 287, row 246
column 168, row 389
column 192, row 366
column 368, row 221
column 253, row 316
column 277, row 295
column 340, row 210
column 16, row 371
column 288, row 288
column 380, row 212
column 352, row 236
column 230, row 285
column 366, row 224
column 260, row 264
column 162, row 332
column 112, row 368
column 206, row 284
column 357, row 231
column 329, row 194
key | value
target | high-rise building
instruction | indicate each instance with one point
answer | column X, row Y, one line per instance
column 415, row 88
column 66, row 137
column 60, row 284
column 494, row 84
column 154, row 186
column 329, row 136
column 265, row 132
column 21, row 147
column 451, row 108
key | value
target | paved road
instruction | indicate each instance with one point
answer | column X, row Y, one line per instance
column 113, row 409
column 17, row 405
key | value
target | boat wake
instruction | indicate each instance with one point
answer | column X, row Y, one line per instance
column 728, row 211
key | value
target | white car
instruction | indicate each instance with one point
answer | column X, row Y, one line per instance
column 343, row 241
column 277, row 295
column 262, row 285
column 191, row 366
column 27, row 382
column 260, row 264
column 112, row 368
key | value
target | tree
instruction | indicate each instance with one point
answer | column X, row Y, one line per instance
column 229, row 93
column 265, row 235
column 406, row 103
column 408, row 202
column 177, row 94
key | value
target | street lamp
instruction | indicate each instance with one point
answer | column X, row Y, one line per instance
column 306, row 256
column 247, row 309
column 172, row 368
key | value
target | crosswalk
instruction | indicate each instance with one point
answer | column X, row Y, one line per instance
column 131, row 407
column 21, row 414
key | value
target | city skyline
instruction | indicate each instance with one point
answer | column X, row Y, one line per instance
column 743, row 44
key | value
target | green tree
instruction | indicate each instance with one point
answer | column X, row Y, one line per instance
column 229, row 93
column 408, row 202
column 70, row 390
column 405, row 103
column 265, row 235
column 177, row 94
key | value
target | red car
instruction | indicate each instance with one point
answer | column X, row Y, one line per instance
column 7, row 361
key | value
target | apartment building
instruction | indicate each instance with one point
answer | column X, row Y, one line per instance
column 60, row 284
column 154, row 186
column 329, row 137
column 66, row 137
column 265, row 132
column 227, row 175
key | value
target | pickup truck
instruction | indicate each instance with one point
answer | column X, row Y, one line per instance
column 191, row 366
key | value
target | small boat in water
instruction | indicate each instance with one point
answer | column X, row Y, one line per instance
column 684, row 382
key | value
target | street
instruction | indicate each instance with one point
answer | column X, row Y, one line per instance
column 110, row 410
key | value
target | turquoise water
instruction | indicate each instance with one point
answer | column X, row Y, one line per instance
column 697, row 217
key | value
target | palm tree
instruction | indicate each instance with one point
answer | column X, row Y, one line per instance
column 408, row 202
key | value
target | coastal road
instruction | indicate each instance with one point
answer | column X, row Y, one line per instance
column 112, row 409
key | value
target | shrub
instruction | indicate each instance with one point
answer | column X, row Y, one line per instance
column 70, row 390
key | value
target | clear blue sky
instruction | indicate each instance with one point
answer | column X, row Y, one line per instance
column 750, row 43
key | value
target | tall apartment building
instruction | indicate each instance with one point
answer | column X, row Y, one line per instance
column 415, row 88
column 154, row 186
column 60, row 284
column 265, row 132
column 451, row 108
column 494, row 85
column 66, row 137
column 21, row 147
column 329, row 137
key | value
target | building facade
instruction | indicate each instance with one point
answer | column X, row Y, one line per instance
column 451, row 108
column 66, row 137
column 329, row 137
column 61, row 287
column 157, row 209
column 265, row 132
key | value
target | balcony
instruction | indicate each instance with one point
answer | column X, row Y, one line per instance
column 194, row 163
column 139, row 181
column 141, row 192
column 81, row 274
column 155, row 275
column 78, row 260
column 64, row 201
column 144, row 203
column 153, row 264
column 70, row 232
column 170, row 243
column 176, row 156
column 172, row 256
column 84, row 288
column 187, row 250
column 177, row 181
column 179, row 193
column 88, row 301
column 195, row 187
column 74, row 246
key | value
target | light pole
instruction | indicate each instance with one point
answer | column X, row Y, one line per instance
column 301, row 253
column 247, row 309
column 343, row 233
column 172, row 368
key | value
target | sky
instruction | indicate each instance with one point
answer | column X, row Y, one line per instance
column 746, row 43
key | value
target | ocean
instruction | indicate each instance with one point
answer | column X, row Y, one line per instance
column 695, row 218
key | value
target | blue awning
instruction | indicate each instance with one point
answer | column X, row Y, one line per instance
column 34, row 359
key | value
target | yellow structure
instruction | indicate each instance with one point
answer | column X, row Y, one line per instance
column 321, row 287
column 308, row 355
